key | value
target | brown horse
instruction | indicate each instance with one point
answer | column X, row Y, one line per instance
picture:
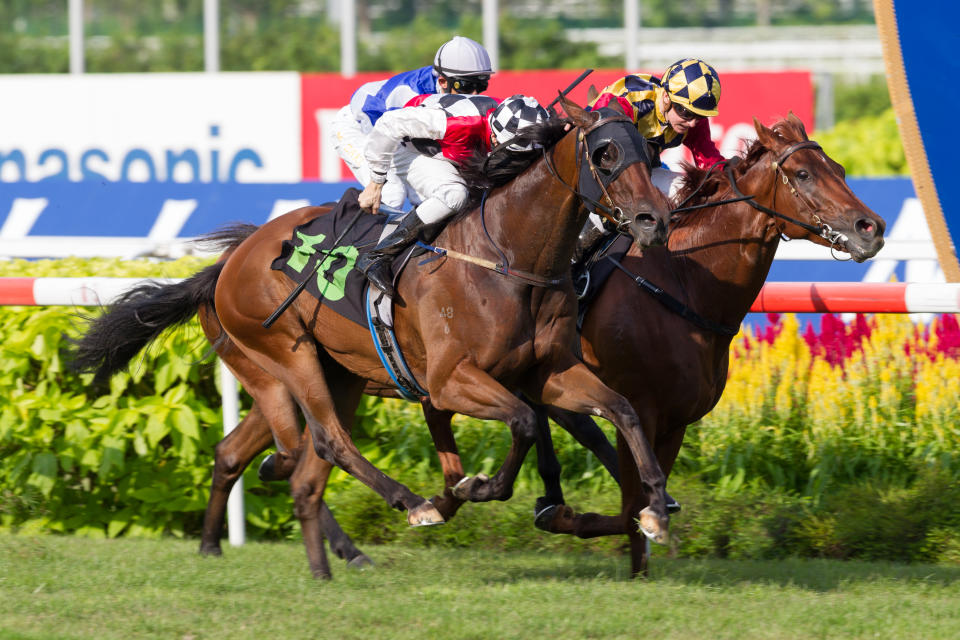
column 673, row 369
column 500, row 333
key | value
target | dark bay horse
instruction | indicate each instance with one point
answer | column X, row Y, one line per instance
column 499, row 334
column 672, row 369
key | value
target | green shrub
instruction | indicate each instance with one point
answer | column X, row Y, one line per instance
column 867, row 146
column 134, row 458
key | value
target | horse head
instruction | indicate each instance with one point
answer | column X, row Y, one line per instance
column 809, row 193
column 614, row 161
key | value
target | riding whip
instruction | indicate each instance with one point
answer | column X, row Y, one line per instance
column 573, row 85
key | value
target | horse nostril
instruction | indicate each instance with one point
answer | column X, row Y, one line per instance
column 646, row 220
column 865, row 227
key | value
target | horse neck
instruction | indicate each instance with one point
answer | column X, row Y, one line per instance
column 724, row 256
column 534, row 219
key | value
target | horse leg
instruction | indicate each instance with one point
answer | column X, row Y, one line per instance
column 585, row 431
column 341, row 544
column 309, row 481
column 303, row 375
column 231, row 457
column 446, row 445
column 576, row 389
column 471, row 391
column 632, row 498
column 548, row 466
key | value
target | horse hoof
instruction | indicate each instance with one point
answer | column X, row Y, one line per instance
column 211, row 550
column 424, row 515
column 268, row 469
column 543, row 518
column 360, row 563
column 656, row 528
column 672, row 505
column 463, row 490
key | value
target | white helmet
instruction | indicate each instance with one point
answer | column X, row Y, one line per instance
column 512, row 115
column 462, row 57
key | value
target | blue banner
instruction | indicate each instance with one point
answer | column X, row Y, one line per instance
column 923, row 74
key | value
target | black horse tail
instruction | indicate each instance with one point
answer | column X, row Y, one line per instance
column 137, row 318
column 142, row 313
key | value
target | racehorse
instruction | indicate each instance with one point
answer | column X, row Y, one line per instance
column 673, row 368
column 499, row 333
column 724, row 250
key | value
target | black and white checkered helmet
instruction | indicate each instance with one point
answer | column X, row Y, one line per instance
column 512, row 115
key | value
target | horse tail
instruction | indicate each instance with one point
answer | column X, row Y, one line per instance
column 137, row 318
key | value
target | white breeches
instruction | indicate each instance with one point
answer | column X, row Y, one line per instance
column 349, row 141
column 433, row 185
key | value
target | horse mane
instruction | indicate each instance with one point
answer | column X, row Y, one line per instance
column 482, row 171
column 706, row 183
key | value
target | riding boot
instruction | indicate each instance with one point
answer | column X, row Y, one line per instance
column 590, row 237
column 376, row 264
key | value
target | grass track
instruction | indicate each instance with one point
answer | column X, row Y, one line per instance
column 70, row 587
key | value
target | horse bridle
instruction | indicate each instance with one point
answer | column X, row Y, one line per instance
column 820, row 228
column 608, row 209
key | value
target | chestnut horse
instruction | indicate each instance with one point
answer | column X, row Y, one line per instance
column 673, row 369
column 499, row 333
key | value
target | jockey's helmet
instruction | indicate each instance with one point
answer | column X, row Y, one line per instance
column 694, row 84
column 464, row 63
column 512, row 115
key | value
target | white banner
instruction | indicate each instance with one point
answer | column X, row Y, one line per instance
column 165, row 127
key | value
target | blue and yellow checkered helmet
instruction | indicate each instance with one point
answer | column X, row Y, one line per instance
column 694, row 84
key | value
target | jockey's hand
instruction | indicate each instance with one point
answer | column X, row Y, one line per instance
column 370, row 197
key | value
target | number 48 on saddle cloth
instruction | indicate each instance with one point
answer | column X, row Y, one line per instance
column 336, row 283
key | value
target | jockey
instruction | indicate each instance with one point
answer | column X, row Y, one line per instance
column 423, row 144
column 461, row 66
column 668, row 111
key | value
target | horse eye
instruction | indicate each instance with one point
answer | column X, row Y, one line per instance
column 606, row 157
column 803, row 175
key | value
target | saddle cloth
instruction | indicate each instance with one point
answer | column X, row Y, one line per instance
column 336, row 283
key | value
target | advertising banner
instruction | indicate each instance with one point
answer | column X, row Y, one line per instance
column 766, row 95
column 158, row 127
column 922, row 70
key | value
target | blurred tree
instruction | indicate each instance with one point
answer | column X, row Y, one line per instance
column 166, row 35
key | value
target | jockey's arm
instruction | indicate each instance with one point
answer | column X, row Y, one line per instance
column 701, row 145
column 391, row 130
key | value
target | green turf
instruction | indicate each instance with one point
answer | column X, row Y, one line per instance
column 71, row 587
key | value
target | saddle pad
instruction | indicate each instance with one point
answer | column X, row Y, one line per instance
column 336, row 283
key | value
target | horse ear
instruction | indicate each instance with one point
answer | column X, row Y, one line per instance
column 617, row 106
column 578, row 114
column 798, row 123
column 592, row 93
column 766, row 136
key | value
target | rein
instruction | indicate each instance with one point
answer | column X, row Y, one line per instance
column 612, row 212
column 820, row 229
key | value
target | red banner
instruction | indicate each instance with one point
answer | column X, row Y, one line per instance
column 768, row 96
